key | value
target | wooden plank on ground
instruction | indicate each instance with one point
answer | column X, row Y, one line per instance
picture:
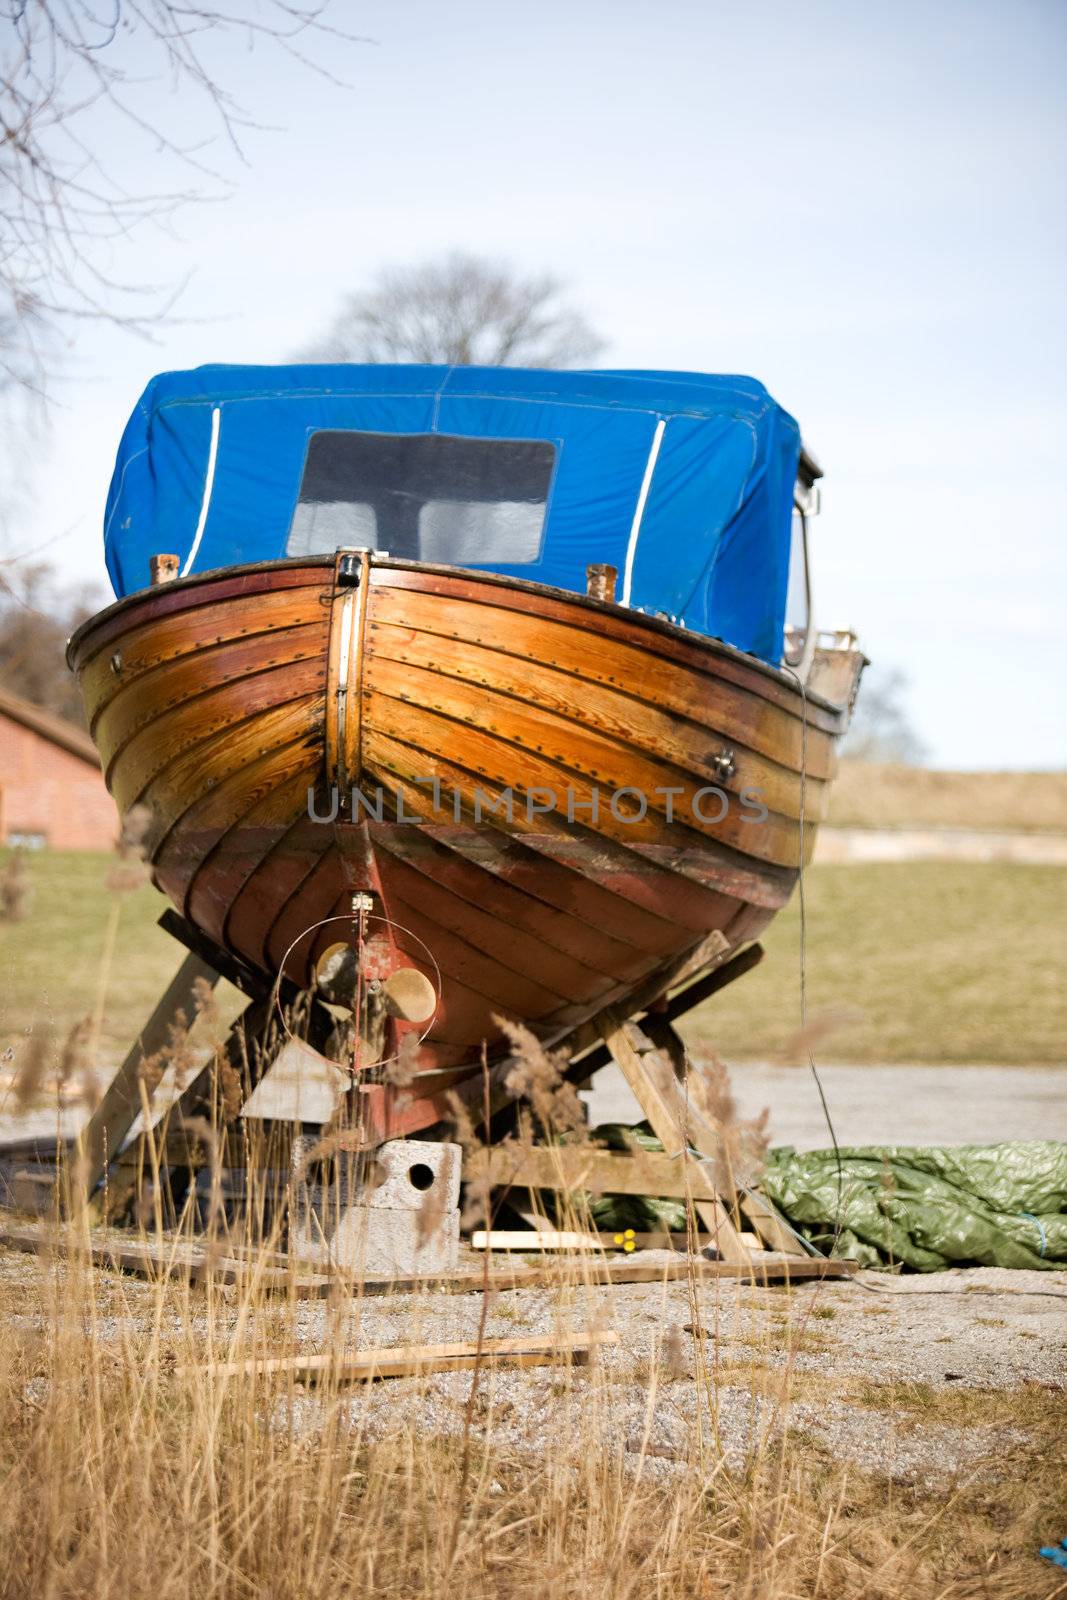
column 407, row 1361
column 528, row 1241
column 165, row 1258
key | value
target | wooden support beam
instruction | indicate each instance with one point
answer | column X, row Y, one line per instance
column 652, row 1086
column 254, row 984
column 590, row 1060
column 759, row 1211
column 701, row 989
column 174, row 1147
column 769, row 1225
column 655, row 1087
column 115, row 1114
column 566, row 1167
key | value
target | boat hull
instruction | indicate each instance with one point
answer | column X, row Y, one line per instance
column 551, row 799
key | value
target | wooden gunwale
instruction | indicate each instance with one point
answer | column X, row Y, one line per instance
column 287, row 571
column 697, row 651
column 225, row 583
column 191, row 632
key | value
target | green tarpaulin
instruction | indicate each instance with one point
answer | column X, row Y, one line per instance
column 923, row 1208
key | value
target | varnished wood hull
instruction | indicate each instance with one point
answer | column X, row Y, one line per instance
column 219, row 703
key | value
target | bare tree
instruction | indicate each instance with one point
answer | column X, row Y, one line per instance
column 77, row 76
column 881, row 728
column 460, row 311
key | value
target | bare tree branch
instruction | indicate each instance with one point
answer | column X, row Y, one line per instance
column 461, row 311
column 67, row 68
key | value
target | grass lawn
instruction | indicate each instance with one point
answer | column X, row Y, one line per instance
column 920, row 961
column 912, row 962
column 55, row 964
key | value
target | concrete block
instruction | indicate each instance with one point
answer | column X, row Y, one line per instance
column 408, row 1222
column 395, row 1243
column 410, row 1171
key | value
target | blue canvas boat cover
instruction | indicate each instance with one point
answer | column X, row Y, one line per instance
column 684, row 483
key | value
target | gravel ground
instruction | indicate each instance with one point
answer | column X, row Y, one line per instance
column 841, row 1349
column 851, row 1366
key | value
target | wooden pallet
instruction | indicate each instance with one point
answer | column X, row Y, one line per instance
column 277, row 1273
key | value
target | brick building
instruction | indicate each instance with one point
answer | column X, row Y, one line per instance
column 51, row 787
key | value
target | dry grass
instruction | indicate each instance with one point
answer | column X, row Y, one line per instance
column 869, row 794
column 910, row 961
column 130, row 1470
column 133, row 1468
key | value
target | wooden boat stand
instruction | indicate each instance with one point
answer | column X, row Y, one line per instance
column 743, row 1233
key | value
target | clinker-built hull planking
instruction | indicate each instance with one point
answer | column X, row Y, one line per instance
column 217, row 703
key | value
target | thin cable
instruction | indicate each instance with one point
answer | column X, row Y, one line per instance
column 802, row 686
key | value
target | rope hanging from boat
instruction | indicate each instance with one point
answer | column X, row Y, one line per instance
column 802, row 686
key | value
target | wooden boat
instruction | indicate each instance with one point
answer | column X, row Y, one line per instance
column 552, row 799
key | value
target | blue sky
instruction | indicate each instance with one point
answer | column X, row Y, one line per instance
column 861, row 205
